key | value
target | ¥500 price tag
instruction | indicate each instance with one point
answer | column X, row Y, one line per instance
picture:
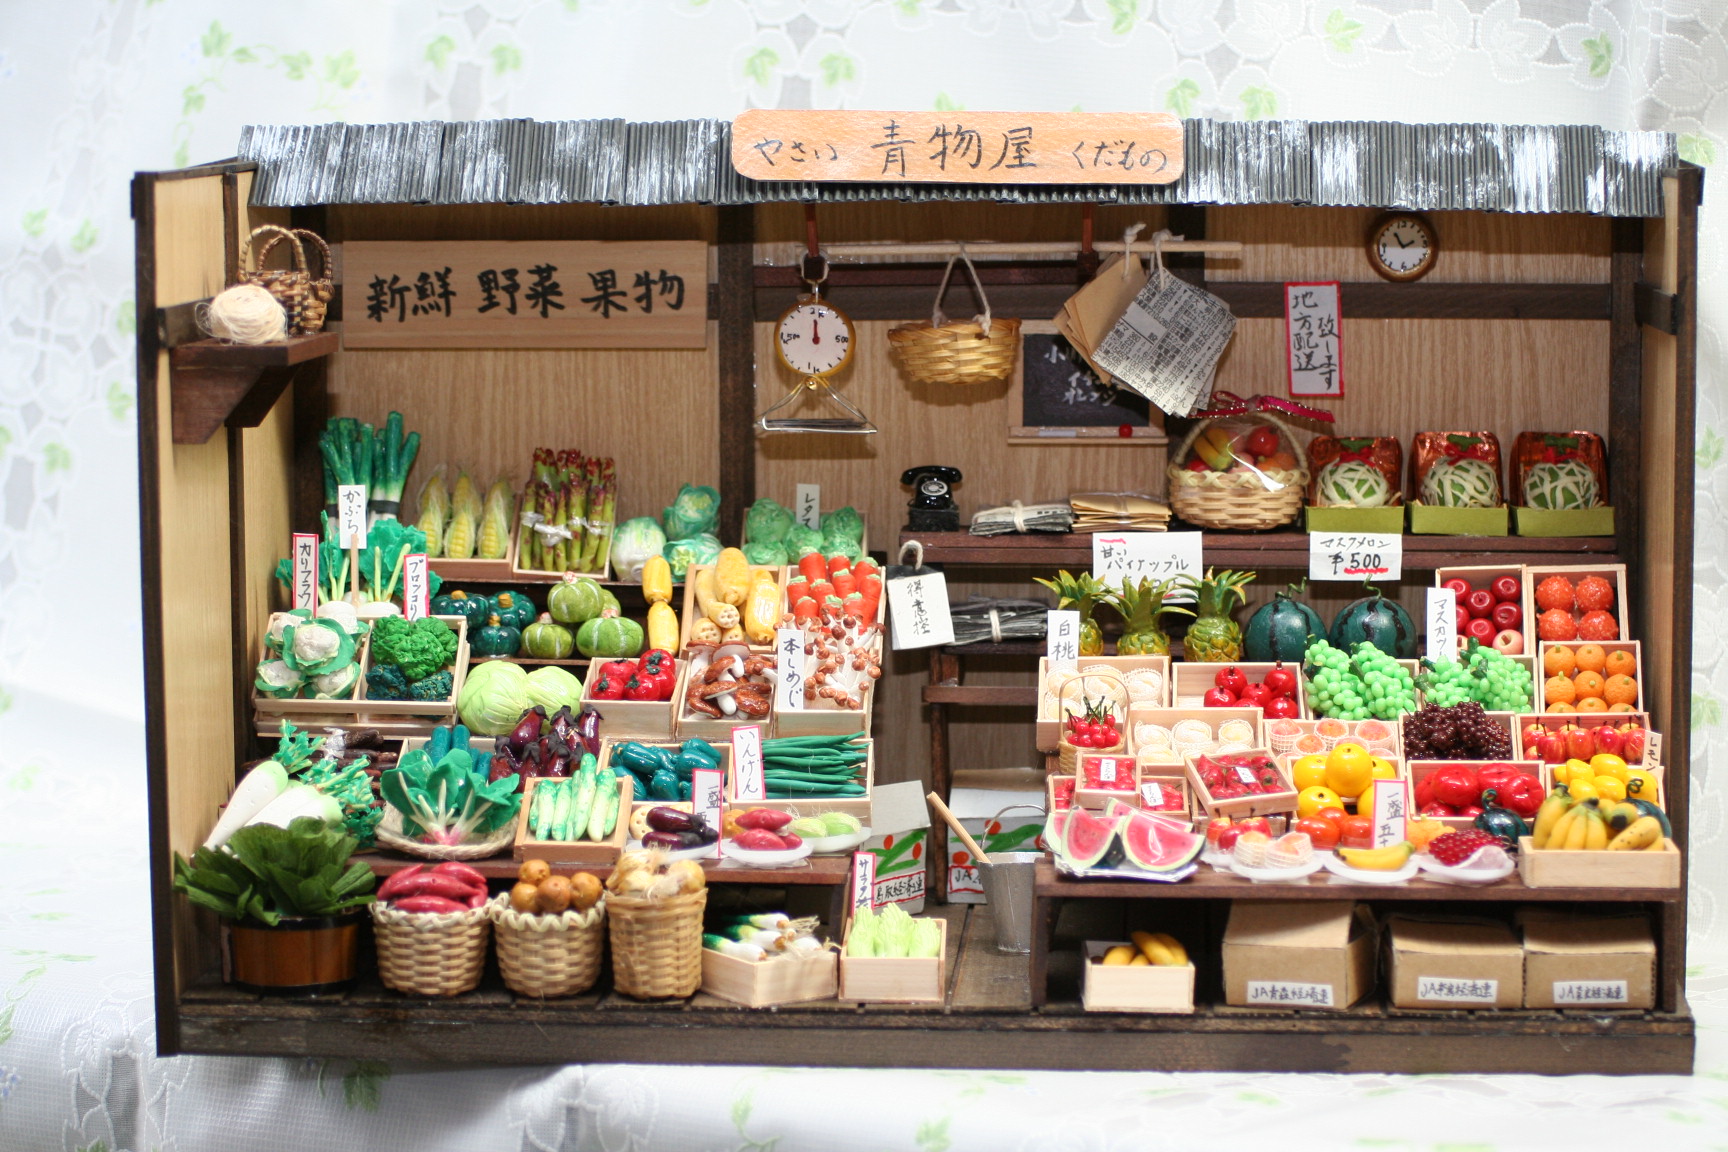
column 1355, row 556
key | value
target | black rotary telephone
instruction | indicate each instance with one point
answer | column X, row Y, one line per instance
column 932, row 507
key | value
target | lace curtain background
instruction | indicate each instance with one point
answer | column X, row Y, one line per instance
column 93, row 90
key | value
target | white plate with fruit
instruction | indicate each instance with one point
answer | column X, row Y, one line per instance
column 1467, row 856
column 830, row 832
column 1275, row 875
column 1343, row 871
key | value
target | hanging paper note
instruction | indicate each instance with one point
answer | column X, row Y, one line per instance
column 1314, row 339
column 1168, row 342
column 747, row 763
column 863, row 880
column 306, row 570
column 1391, row 809
column 1355, row 556
column 789, row 668
column 807, row 509
column 1441, row 615
column 918, row 611
column 416, row 596
column 351, row 515
column 1062, row 639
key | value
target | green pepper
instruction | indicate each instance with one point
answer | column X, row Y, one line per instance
column 642, row 759
column 496, row 639
column 703, row 749
column 687, row 762
column 663, row 785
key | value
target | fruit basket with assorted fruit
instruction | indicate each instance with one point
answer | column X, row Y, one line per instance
column 1243, row 470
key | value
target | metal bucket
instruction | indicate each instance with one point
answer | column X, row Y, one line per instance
column 1007, row 883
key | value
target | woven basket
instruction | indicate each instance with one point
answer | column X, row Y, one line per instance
column 541, row 955
column 389, row 835
column 1235, row 499
column 304, row 297
column 1068, row 755
column 978, row 351
column 431, row 953
column 656, row 944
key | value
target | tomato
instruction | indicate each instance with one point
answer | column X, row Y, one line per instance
column 1324, row 833
column 1357, row 832
column 1334, row 814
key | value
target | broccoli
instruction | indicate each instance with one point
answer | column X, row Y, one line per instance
column 419, row 649
column 386, row 682
column 437, row 686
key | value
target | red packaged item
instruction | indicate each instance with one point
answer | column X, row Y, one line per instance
column 1560, row 471
column 1456, row 469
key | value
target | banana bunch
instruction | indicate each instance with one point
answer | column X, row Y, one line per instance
column 1158, row 949
column 1573, row 825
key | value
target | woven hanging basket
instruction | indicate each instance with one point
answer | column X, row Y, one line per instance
column 304, row 297
column 431, row 953
column 545, row 955
column 1235, row 499
column 976, row 351
column 656, row 944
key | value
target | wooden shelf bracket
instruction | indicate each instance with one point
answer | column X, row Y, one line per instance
column 216, row 384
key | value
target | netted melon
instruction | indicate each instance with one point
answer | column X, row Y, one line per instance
column 1465, row 483
column 1353, row 484
column 1565, row 484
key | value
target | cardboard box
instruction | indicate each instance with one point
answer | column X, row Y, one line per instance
column 761, row 983
column 1571, row 962
column 899, row 820
column 1285, row 954
column 1454, row 964
column 1426, row 520
column 1598, row 521
column 1001, row 820
column 1390, row 519
column 1123, row 988
column 906, row 980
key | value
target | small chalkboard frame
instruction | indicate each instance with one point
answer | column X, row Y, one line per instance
column 1085, row 436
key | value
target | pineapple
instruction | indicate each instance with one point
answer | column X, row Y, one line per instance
column 1080, row 592
column 1214, row 637
column 1142, row 605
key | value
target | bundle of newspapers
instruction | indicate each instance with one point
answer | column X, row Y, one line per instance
column 1018, row 517
column 982, row 618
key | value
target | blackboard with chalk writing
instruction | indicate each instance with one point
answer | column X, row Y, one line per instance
column 1059, row 397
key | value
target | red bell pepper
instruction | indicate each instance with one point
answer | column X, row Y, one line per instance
column 1455, row 785
column 609, row 686
column 1523, row 794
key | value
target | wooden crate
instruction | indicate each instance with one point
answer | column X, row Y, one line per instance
column 1419, row 770
column 1311, row 728
column 457, row 572
column 1631, row 646
column 1481, row 576
column 572, row 851
column 858, row 806
column 688, row 614
column 1098, row 798
column 1169, row 717
column 356, row 709
column 1530, row 665
column 895, row 981
column 822, row 717
column 1123, row 988
column 764, row 983
column 686, row 723
column 1558, row 868
column 518, row 554
column 1615, row 574
column 1189, row 682
column 1239, row 807
column 1648, row 756
column 611, row 741
column 1170, row 777
column 648, row 719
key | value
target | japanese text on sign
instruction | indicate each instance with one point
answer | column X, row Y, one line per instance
column 416, row 591
column 958, row 147
column 1457, row 990
column 351, row 515
column 863, row 880
column 536, row 294
column 1062, row 639
column 306, row 570
column 706, row 796
column 918, row 611
column 1590, row 992
column 1287, row 992
column 1315, row 339
column 789, row 668
column 747, row 763
column 1391, row 810
column 1167, row 343
column 1355, row 555
column 1441, row 616
column 807, row 507
column 900, row 889
column 1145, row 555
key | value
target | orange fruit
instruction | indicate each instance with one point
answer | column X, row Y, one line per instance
column 1593, row 593
column 1555, row 592
column 1622, row 708
column 1591, row 657
column 1559, row 690
column 1556, row 624
column 1561, row 708
column 1592, row 704
column 1559, row 660
column 1598, row 625
column 1621, row 663
column 1620, row 690
column 1588, row 684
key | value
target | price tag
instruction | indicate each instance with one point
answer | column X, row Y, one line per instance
column 789, row 668
column 351, row 515
column 1391, row 808
column 747, row 763
column 1062, row 639
column 416, row 591
column 918, row 611
column 306, row 570
column 706, row 796
column 1441, row 615
column 807, row 508
column 1355, row 556
column 1135, row 555
column 863, row 880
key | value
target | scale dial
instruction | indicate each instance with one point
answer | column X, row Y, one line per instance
column 814, row 339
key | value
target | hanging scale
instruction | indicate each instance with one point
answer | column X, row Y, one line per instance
column 815, row 339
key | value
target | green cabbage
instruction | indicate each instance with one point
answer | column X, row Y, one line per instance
column 800, row 540
column 554, row 688
column 766, row 552
column 633, row 543
column 493, row 697
column 844, row 522
column 841, row 545
column 766, row 522
column 680, row 554
column 696, row 510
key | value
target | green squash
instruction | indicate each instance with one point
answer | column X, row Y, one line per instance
column 1381, row 622
column 513, row 608
column 496, row 639
column 546, row 639
column 610, row 635
column 578, row 600
column 459, row 603
column 1280, row 630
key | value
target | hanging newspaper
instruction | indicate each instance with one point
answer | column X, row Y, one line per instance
column 1167, row 343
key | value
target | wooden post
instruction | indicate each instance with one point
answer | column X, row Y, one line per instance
column 734, row 317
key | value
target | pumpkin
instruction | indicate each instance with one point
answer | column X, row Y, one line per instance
column 546, row 639
column 459, row 603
column 609, row 635
column 1381, row 622
column 496, row 639
column 514, row 609
column 577, row 600
column 1280, row 630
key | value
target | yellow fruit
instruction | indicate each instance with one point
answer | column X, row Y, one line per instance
column 1574, row 769
column 1608, row 764
column 662, row 626
column 656, row 580
column 1349, row 768
column 1385, row 769
column 1641, row 782
column 1583, row 788
column 1637, row 835
column 1560, row 829
column 1595, row 832
column 1120, row 955
column 1311, row 800
column 1610, row 788
column 1309, row 771
column 1387, row 859
column 1178, row 953
column 1140, row 961
column 1422, row 830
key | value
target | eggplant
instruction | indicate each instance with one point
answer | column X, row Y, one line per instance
column 670, row 840
column 588, row 731
column 672, row 820
column 564, row 724
column 503, row 764
column 527, row 729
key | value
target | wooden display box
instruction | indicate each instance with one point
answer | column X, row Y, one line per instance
column 858, row 806
column 611, row 741
column 1558, row 868
column 1300, row 746
column 1483, row 576
column 647, row 719
column 1170, row 717
column 907, row 980
column 688, row 613
column 1125, row 988
column 1615, row 574
column 1170, row 779
column 1530, row 666
column 1127, row 771
column 821, row 716
column 1420, row 770
column 1428, row 520
column 765, row 983
column 1597, row 521
column 686, row 723
column 1189, row 682
column 518, row 553
column 1049, row 725
column 572, row 851
column 1631, row 646
column 1331, row 519
column 1281, row 803
column 1649, row 756
column 356, row 709
column 455, row 573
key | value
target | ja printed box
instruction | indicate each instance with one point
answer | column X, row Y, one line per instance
column 1279, row 954
column 1454, row 964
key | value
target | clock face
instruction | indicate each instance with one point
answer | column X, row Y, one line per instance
column 815, row 339
column 1403, row 247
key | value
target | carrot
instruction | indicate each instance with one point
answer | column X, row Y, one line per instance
column 797, row 588
column 812, row 567
column 838, row 562
column 853, row 606
column 844, row 584
column 820, row 590
column 868, row 581
column 806, row 609
column 865, row 567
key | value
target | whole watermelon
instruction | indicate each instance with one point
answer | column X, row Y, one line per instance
column 1381, row 622
column 1280, row 630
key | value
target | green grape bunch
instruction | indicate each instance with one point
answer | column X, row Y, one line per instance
column 1485, row 676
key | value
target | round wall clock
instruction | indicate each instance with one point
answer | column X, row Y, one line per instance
column 814, row 338
column 1403, row 246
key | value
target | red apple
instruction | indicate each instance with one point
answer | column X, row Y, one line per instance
column 1231, row 680
column 1460, row 620
column 1461, row 588
column 1227, row 837
column 1632, row 748
column 1509, row 643
column 1218, row 698
column 1282, row 708
column 1254, row 696
column 1533, row 732
column 1481, row 628
column 1479, row 603
column 1580, row 742
column 1552, row 748
column 1507, row 616
column 1255, row 824
column 1508, row 589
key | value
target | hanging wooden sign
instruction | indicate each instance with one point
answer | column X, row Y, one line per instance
column 524, row 294
column 958, row 147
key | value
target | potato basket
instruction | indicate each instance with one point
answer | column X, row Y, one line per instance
column 976, row 351
column 656, row 944
column 431, row 953
column 1257, row 497
column 546, row 955
column 304, row 297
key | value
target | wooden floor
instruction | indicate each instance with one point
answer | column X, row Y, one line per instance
column 986, row 1021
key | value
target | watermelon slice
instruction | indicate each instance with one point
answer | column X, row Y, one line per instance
column 1088, row 840
column 1155, row 843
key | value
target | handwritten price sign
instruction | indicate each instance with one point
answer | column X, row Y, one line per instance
column 747, row 765
column 1355, row 556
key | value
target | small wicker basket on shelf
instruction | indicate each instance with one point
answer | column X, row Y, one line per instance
column 656, row 944
column 1238, row 500
column 304, row 297
column 431, row 953
column 545, row 955
column 976, row 351
column 390, row 836
column 1106, row 684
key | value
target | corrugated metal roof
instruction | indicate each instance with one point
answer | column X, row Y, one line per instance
column 1488, row 167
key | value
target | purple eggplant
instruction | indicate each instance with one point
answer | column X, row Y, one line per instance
column 669, row 840
column 564, row 724
column 527, row 729
column 671, row 820
column 588, row 731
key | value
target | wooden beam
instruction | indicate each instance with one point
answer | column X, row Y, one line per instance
column 1653, row 307
column 1624, row 434
column 734, row 251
